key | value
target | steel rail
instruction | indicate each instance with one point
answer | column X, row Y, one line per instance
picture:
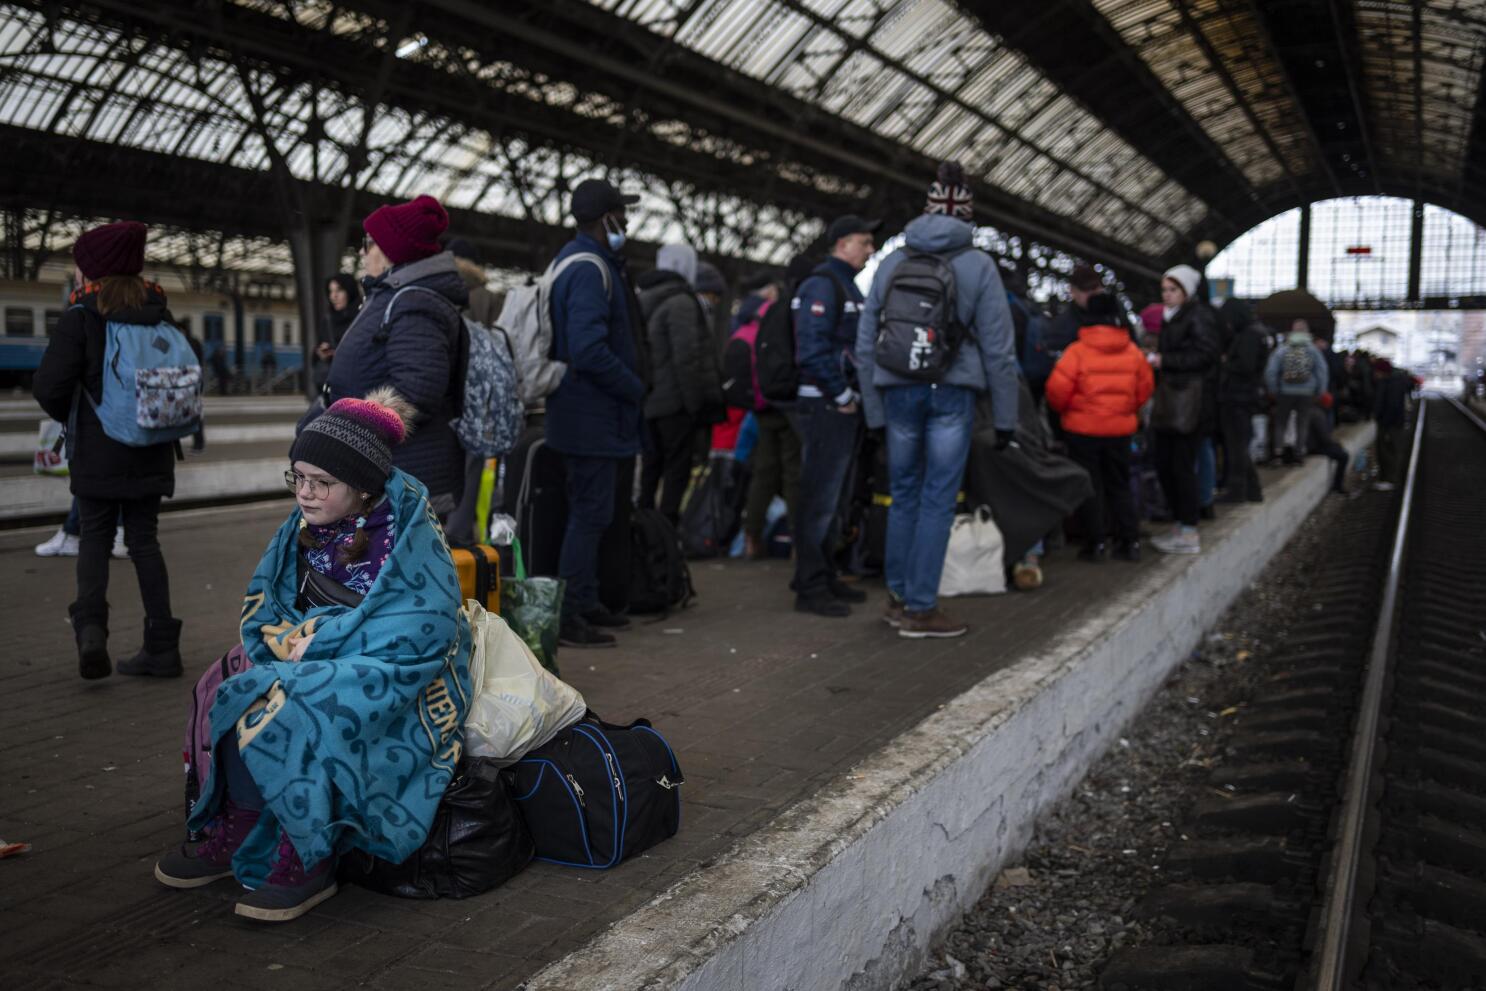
column 1330, row 964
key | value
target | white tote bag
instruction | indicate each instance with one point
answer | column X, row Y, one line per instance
column 973, row 563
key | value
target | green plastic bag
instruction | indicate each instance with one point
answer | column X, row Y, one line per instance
column 532, row 608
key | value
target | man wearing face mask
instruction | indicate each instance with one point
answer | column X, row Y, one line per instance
column 594, row 417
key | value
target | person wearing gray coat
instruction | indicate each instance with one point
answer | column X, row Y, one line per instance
column 1296, row 376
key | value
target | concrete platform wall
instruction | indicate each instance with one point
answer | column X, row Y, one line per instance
column 849, row 890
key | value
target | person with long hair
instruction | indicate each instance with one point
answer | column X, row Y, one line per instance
column 343, row 302
column 111, row 480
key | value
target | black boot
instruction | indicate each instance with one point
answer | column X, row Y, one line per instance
column 160, row 656
column 92, row 652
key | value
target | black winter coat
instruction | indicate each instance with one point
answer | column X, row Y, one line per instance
column 683, row 359
column 1189, row 348
column 100, row 467
column 416, row 353
column 1242, row 378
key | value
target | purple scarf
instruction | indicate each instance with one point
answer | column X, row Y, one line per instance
column 357, row 575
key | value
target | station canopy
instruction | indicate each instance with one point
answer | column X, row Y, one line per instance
column 1124, row 131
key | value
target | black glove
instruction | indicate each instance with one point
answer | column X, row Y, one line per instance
column 1004, row 439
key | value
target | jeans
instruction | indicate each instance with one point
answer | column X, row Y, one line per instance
column 666, row 466
column 776, row 470
column 97, row 519
column 829, row 440
column 1111, row 509
column 1238, row 434
column 1207, row 472
column 590, row 492
column 928, row 441
column 1176, row 463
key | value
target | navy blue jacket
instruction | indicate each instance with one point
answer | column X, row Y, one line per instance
column 417, row 358
column 596, row 410
column 824, row 344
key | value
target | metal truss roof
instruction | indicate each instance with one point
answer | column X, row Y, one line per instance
column 1118, row 129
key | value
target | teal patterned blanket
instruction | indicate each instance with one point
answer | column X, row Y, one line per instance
column 354, row 744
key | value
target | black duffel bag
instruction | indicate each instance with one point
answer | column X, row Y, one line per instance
column 598, row 793
column 478, row 841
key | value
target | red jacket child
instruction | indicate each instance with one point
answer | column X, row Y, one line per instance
column 1100, row 383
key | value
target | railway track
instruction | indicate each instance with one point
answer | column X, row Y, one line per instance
column 1342, row 841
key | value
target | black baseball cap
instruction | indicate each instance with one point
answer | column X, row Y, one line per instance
column 595, row 197
column 849, row 225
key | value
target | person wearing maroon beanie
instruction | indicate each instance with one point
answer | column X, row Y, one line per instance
column 407, row 336
column 113, row 249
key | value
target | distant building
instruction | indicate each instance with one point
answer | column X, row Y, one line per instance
column 1380, row 340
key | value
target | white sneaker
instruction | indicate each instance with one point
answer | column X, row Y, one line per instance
column 61, row 544
column 1382, row 486
column 120, row 548
column 1178, row 542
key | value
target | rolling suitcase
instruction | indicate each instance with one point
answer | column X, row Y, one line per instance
column 540, row 505
column 479, row 574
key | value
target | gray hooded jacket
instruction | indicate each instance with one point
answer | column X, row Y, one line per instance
column 987, row 359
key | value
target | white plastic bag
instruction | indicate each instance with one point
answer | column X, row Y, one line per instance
column 50, row 458
column 518, row 704
column 973, row 562
column 1259, row 439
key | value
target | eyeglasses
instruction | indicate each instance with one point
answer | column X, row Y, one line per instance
column 319, row 488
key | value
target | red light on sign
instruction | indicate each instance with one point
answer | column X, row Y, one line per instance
column 1361, row 249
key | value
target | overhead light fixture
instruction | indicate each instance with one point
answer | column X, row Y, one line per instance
column 410, row 46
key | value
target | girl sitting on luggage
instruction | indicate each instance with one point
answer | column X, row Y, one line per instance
column 345, row 729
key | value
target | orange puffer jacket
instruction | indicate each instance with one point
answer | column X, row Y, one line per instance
column 1100, row 383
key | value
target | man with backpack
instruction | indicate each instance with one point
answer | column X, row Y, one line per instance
column 936, row 331
column 594, row 415
column 1296, row 376
column 827, row 415
column 686, row 390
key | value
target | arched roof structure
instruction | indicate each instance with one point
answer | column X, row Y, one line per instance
column 1118, row 130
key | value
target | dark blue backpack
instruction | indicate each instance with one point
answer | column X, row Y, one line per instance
column 1034, row 357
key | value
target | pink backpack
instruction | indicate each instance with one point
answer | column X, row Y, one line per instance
column 740, row 385
column 198, row 748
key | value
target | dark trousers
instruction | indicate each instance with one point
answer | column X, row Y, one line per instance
column 590, row 492
column 829, row 440
column 1111, row 509
column 97, row 519
column 1390, row 454
column 1238, row 433
column 775, row 467
column 666, row 466
column 1176, row 464
column 1296, row 409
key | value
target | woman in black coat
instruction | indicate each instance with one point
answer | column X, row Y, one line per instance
column 343, row 302
column 1187, row 356
column 412, row 344
column 110, row 479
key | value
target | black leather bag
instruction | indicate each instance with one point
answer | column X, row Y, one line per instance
column 316, row 590
column 478, row 841
column 1177, row 407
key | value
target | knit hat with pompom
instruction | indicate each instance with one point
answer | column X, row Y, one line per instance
column 948, row 193
column 353, row 439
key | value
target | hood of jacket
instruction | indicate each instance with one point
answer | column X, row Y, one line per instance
column 437, row 272
column 657, row 286
column 680, row 259
column 472, row 274
column 1103, row 337
column 1299, row 337
column 938, row 232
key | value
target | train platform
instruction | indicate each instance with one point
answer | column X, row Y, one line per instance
column 848, row 793
column 246, row 439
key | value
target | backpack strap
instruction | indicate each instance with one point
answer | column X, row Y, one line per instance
column 382, row 332
column 554, row 271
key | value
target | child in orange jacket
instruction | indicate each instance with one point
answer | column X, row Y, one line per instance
column 1097, row 388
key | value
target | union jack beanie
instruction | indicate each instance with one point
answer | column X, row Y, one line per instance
column 948, row 193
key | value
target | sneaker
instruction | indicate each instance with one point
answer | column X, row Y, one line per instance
column 601, row 617
column 1026, row 576
column 1127, row 551
column 211, row 860
column 290, row 890
column 1178, row 541
column 120, row 548
column 823, row 604
column 934, row 623
column 578, row 632
column 60, row 544
column 846, row 593
column 1382, row 486
column 1093, row 553
column 892, row 613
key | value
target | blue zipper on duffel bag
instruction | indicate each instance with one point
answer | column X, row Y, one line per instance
column 616, row 786
column 569, row 784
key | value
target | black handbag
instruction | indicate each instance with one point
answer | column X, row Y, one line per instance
column 478, row 841
column 1177, row 406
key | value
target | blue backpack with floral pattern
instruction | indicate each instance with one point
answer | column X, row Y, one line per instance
column 151, row 385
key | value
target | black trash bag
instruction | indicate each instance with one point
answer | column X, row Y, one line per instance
column 478, row 841
column 1028, row 487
